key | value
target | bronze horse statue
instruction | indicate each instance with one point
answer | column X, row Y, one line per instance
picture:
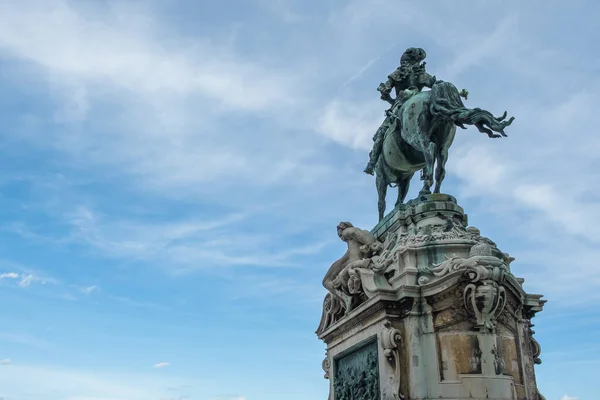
column 421, row 135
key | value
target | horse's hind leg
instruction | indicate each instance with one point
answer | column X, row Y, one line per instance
column 403, row 185
column 429, row 153
column 440, row 170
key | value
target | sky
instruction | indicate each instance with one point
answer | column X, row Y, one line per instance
column 172, row 173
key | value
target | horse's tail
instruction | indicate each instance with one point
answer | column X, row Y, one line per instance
column 445, row 102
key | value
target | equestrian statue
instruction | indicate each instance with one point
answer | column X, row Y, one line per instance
column 419, row 128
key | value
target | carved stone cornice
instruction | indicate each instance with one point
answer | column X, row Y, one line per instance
column 358, row 317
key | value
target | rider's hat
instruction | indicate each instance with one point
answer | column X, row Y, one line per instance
column 413, row 54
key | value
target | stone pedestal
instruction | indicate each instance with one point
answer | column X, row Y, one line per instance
column 436, row 314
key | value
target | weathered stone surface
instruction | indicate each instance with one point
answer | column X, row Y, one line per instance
column 449, row 318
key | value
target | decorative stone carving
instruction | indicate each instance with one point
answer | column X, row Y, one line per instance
column 481, row 254
column 390, row 338
column 332, row 312
column 536, row 349
column 326, row 366
column 476, row 360
column 434, row 233
column 336, row 278
column 357, row 275
column 484, row 298
column 498, row 361
column 390, row 341
column 485, row 301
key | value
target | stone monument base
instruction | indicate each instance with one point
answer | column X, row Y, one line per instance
column 434, row 313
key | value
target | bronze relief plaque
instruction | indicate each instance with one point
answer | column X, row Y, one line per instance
column 357, row 373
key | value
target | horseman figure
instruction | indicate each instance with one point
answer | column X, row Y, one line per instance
column 409, row 78
column 419, row 128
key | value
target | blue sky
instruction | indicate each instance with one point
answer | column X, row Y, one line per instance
column 172, row 174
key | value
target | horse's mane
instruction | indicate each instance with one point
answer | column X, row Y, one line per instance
column 445, row 102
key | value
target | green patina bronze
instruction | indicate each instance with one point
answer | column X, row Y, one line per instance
column 357, row 374
column 419, row 128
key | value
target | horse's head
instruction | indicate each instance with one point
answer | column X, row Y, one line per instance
column 489, row 124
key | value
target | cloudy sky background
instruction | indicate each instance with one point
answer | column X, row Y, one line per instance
column 172, row 174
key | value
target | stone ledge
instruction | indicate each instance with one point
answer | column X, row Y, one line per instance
column 416, row 209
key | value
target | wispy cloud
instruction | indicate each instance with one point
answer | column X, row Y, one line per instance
column 486, row 48
column 129, row 54
column 361, row 71
column 32, row 274
column 181, row 397
column 229, row 397
column 162, row 365
column 9, row 275
column 82, row 384
column 89, row 289
column 175, row 95
column 26, row 281
column 136, row 303
column 350, row 124
column 188, row 244
column 5, row 361
column 24, row 339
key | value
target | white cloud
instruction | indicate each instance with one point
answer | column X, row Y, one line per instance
column 9, row 275
column 26, row 281
column 26, row 275
column 175, row 94
column 5, row 361
column 89, row 289
column 162, row 365
column 351, row 124
column 488, row 47
column 229, row 397
column 124, row 47
column 24, row 339
column 567, row 397
column 77, row 384
column 182, row 245
column 94, row 398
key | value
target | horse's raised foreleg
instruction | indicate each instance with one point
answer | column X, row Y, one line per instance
column 381, row 184
column 429, row 154
column 440, row 169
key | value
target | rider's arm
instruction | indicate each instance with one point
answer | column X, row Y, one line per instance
column 385, row 90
